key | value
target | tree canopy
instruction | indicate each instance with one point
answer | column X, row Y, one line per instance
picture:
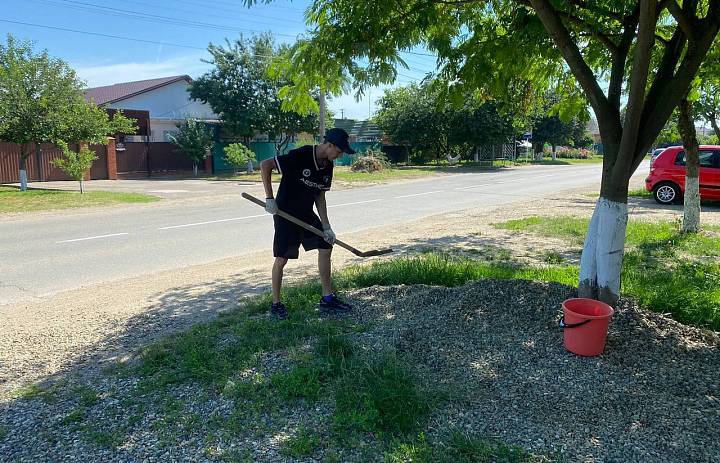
column 246, row 97
column 41, row 100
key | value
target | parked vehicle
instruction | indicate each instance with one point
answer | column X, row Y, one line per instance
column 656, row 152
column 667, row 174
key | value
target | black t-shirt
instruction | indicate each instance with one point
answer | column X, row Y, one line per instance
column 302, row 180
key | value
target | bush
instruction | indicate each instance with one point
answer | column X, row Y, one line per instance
column 570, row 153
column 372, row 160
column 238, row 155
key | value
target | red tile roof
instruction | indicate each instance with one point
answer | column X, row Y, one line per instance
column 112, row 93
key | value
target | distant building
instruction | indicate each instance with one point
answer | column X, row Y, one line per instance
column 166, row 99
column 360, row 131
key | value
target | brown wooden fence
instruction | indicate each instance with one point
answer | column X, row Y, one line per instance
column 42, row 169
column 136, row 160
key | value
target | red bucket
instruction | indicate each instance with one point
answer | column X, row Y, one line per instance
column 585, row 326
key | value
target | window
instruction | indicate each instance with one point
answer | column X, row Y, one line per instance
column 707, row 158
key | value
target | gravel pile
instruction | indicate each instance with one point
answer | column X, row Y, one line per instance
column 494, row 345
column 653, row 396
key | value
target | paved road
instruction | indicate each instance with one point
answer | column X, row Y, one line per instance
column 43, row 255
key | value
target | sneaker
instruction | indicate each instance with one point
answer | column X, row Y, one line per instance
column 331, row 305
column 278, row 309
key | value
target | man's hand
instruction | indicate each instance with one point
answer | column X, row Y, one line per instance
column 328, row 234
column 271, row 205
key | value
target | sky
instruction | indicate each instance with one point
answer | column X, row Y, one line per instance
column 112, row 41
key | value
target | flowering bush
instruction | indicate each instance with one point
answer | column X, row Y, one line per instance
column 569, row 153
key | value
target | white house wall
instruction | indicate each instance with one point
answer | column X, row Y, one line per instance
column 171, row 102
column 160, row 127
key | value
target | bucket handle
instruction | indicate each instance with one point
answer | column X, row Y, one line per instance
column 564, row 325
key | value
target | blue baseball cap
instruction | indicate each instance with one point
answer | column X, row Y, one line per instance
column 339, row 138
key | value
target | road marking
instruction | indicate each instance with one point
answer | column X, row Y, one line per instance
column 358, row 202
column 211, row 221
column 419, row 194
column 92, row 238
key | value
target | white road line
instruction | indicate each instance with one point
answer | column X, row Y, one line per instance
column 211, row 221
column 358, row 202
column 92, row 238
column 418, row 194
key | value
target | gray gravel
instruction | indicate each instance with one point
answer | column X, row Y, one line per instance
column 494, row 345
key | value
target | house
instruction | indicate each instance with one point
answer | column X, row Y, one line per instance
column 166, row 99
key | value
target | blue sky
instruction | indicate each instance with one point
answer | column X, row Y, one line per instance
column 185, row 27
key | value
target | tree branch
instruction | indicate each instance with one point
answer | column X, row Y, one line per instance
column 667, row 93
column 607, row 116
column 683, row 21
column 617, row 73
column 638, row 82
column 612, row 46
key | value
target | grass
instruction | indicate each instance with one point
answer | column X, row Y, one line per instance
column 33, row 200
column 561, row 161
column 458, row 448
column 344, row 174
column 640, row 193
column 664, row 269
column 302, row 444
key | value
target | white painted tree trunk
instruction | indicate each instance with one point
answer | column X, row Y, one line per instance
column 691, row 207
column 23, row 180
column 602, row 256
column 250, row 169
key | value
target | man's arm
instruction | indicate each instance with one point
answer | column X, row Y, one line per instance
column 266, row 168
column 321, row 206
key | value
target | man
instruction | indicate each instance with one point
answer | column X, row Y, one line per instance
column 306, row 176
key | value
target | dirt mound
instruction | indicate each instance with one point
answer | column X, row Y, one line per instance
column 496, row 346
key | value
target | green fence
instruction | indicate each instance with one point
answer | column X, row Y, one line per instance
column 265, row 150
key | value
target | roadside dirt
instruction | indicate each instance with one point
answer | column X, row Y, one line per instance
column 94, row 325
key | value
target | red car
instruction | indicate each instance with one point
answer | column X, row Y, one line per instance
column 667, row 174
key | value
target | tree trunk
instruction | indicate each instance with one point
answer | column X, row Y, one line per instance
column 716, row 129
column 602, row 256
column 554, row 154
column 195, row 168
column 22, row 167
column 250, row 167
column 691, row 206
column 81, row 187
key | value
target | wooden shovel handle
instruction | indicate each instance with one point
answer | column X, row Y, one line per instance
column 302, row 224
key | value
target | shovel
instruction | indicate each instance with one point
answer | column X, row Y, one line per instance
column 306, row 226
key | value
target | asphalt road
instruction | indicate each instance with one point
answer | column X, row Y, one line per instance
column 67, row 250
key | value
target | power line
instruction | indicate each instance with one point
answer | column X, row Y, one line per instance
column 98, row 34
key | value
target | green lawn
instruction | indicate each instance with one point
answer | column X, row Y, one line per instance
column 33, row 200
column 563, row 161
column 344, row 174
column 666, row 270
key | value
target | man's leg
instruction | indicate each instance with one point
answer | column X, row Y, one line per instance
column 277, row 275
column 324, row 268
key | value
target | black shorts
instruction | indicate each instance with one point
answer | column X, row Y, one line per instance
column 289, row 237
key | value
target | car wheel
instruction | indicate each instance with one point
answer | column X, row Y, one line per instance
column 666, row 193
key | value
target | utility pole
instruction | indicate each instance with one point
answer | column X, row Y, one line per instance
column 342, row 113
column 322, row 114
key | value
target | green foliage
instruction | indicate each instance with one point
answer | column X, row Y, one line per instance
column 238, row 155
column 41, row 100
column 372, row 160
column 247, row 98
column 421, row 117
column 75, row 164
column 194, row 140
